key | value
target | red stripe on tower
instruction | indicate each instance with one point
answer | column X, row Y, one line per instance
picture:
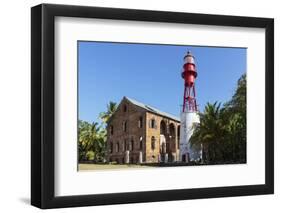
column 189, row 75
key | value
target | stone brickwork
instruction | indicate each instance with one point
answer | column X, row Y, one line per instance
column 134, row 135
column 171, row 128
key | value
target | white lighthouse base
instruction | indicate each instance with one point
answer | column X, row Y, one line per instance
column 187, row 152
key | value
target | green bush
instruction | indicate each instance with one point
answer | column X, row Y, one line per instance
column 90, row 155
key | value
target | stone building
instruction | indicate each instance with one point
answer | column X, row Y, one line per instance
column 138, row 133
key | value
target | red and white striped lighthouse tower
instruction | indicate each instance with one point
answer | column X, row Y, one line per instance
column 189, row 75
column 189, row 114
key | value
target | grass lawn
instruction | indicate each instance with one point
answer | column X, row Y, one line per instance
column 86, row 166
column 92, row 166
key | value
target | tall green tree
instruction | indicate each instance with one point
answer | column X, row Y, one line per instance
column 92, row 141
column 222, row 130
column 111, row 108
column 92, row 137
column 209, row 132
column 236, row 110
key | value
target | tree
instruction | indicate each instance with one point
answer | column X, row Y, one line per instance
column 222, row 130
column 111, row 108
column 92, row 137
column 92, row 141
column 236, row 110
column 208, row 132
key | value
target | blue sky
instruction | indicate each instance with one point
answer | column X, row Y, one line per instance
column 152, row 74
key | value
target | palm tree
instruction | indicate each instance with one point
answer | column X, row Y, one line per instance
column 99, row 145
column 208, row 132
column 91, row 141
column 222, row 131
column 92, row 137
column 111, row 108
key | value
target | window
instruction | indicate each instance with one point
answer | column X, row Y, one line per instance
column 120, row 146
column 163, row 128
column 172, row 136
column 140, row 122
column 117, row 147
column 125, row 145
column 153, row 142
column 111, row 129
column 124, row 126
column 124, row 108
column 132, row 144
column 152, row 123
column 141, row 143
column 111, row 147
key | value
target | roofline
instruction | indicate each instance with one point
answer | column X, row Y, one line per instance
column 151, row 111
column 147, row 110
column 163, row 116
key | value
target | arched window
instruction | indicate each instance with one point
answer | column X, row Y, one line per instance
column 141, row 143
column 172, row 130
column 153, row 140
column 172, row 136
column 125, row 145
column 124, row 126
column 111, row 129
column 111, row 147
column 120, row 146
column 140, row 122
column 132, row 144
column 117, row 147
column 163, row 148
column 163, row 128
column 152, row 123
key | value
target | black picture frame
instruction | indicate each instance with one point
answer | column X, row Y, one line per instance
column 43, row 117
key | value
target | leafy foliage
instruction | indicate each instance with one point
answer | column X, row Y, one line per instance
column 222, row 130
column 111, row 108
column 92, row 137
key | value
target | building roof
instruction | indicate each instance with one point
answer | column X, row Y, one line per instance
column 152, row 109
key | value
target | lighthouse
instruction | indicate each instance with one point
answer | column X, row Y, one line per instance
column 189, row 113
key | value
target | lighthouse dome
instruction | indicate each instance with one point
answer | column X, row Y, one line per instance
column 189, row 58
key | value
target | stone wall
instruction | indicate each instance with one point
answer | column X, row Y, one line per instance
column 127, row 132
column 136, row 141
column 153, row 152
